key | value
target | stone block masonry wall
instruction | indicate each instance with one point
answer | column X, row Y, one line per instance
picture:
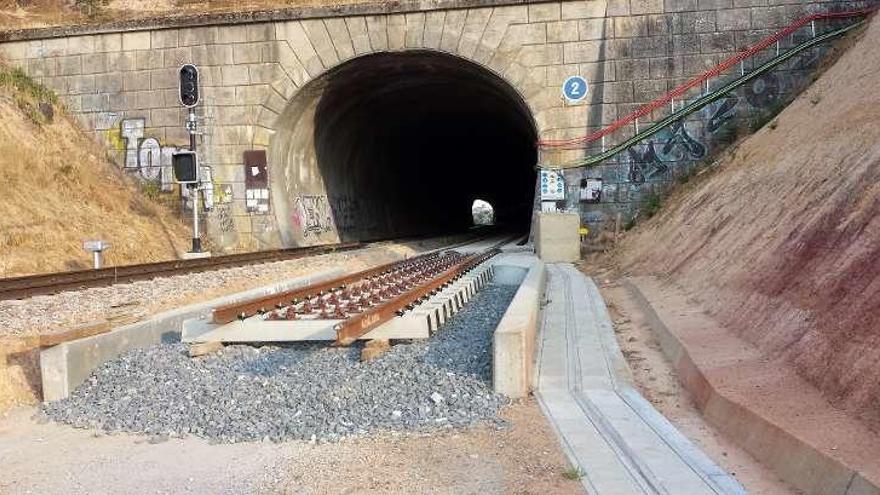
column 651, row 48
column 121, row 82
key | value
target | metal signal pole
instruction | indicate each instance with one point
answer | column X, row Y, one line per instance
column 189, row 97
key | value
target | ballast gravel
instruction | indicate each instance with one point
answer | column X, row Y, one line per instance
column 305, row 391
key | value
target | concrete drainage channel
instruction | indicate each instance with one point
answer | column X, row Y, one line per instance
column 311, row 391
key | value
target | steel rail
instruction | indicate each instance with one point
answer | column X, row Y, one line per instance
column 349, row 330
column 701, row 102
column 231, row 312
column 52, row 283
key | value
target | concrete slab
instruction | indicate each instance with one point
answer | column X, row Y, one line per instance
column 416, row 324
column 608, row 430
column 195, row 256
column 557, row 237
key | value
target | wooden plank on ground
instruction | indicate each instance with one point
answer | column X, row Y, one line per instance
column 75, row 333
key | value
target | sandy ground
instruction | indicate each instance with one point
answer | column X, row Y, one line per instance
column 657, row 381
column 52, row 459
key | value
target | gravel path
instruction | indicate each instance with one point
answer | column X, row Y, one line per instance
column 311, row 392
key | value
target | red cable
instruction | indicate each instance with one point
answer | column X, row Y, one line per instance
column 696, row 81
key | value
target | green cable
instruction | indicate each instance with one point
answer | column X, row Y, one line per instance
column 701, row 102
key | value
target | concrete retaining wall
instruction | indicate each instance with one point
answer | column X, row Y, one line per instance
column 792, row 458
column 67, row 365
column 513, row 346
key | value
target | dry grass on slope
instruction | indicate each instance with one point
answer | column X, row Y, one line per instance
column 48, row 13
column 57, row 189
column 782, row 242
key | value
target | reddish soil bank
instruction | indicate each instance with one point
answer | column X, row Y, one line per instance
column 781, row 240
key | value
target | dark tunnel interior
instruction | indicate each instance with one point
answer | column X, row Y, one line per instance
column 405, row 142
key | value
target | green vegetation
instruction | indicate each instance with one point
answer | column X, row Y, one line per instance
column 15, row 78
column 151, row 190
column 93, row 9
column 651, row 204
column 34, row 100
column 573, row 473
column 687, row 175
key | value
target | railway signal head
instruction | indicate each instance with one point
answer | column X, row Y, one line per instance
column 189, row 85
column 186, row 167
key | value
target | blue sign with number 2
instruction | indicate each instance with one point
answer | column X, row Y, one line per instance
column 574, row 88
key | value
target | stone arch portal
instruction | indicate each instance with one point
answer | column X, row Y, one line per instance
column 396, row 144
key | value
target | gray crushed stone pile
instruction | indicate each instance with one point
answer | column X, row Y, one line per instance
column 304, row 391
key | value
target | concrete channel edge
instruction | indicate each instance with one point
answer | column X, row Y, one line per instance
column 732, row 417
column 514, row 340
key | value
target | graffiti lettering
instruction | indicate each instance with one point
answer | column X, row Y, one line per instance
column 312, row 215
column 678, row 142
column 152, row 162
column 763, row 92
column 723, row 113
column 146, row 156
column 645, row 165
column 674, row 144
column 223, row 215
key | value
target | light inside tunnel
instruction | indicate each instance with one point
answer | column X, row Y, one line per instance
column 482, row 212
column 402, row 143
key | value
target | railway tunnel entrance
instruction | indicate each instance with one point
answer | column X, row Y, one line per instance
column 401, row 144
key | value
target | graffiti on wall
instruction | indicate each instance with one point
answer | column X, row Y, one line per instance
column 146, row 158
column 223, row 218
column 688, row 141
column 648, row 167
column 353, row 214
column 312, row 215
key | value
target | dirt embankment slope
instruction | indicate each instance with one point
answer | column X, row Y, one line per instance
column 782, row 242
column 20, row 14
column 57, row 188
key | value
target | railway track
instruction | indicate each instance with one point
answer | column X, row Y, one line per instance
column 53, row 283
column 355, row 304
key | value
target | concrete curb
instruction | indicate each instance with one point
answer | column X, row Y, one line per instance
column 584, row 386
column 67, row 365
column 792, row 459
column 514, row 340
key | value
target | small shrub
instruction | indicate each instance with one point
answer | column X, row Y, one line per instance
column 93, row 9
column 652, row 204
column 686, row 175
column 151, row 190
column 573, row 473
column 15, row 78
column 66, row 169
